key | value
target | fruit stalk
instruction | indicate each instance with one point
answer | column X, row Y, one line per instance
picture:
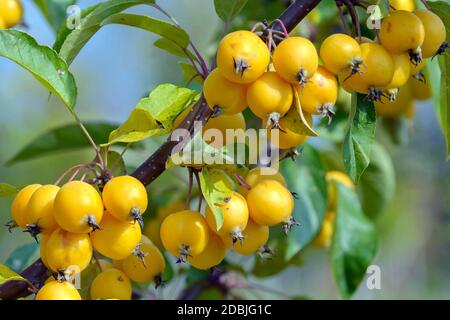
column 155, row 165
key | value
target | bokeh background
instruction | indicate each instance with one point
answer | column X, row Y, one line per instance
column 120, row 65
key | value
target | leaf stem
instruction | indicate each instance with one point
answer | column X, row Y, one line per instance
column 197, row 53
column 91, row 141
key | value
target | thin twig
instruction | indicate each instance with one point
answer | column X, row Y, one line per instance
column 200, row 193
column 190, row 183
column 355, row 18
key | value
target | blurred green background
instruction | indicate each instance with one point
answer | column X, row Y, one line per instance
column 120, row 65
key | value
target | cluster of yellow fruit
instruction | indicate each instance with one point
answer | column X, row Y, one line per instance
column 10, row 13
column 248, row 74
column 427, row 35
column 323, row 239
column 74, row 220
column 247, row 215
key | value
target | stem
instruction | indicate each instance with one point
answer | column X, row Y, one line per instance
column 355, row 18
column 125, row 149
column 342, row 17
column 197, row 53
column 200, row 193
column 97, row 260
column 188, row 196
column 295, row 13
column 67, row 172
column 91, row 141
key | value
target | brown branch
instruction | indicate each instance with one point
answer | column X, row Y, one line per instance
column 155, row 165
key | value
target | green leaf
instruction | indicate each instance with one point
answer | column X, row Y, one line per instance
column 269, row 267
column 377, row 184
column 172, row 48
column 55, row 11
column 6, row 274
column 70, row 42
column 65, row 138
column 140, row 125
column 21, row 256
column 189, row 73
column 354, row 243
column 168, row 272
column 439, row 71
column 159, row 27
column 444, row 62
column 64, row 30
column 87, row 276
column 167, row 101
column 306, row 177
column 154, row 115
column 336, row 130
column 116, row 164
column 7, row 190
column 442, row 9
column 216, row 186
column 227, row 10
column 360, row 136
column 42, row 62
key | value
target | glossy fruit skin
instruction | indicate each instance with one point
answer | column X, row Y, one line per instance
column 229, row 96
column 288, row 139
column 255, row 176
column 435, row 33
column 42, row 245
column 415, row 69
column 378, row 70
column 406, row 5
column 395, row 108
column 402, row 71
column 121, row 195
column 338, row 52
column 222, row 123
column 213, row 254
column 420, row 90
column 19, row 205
column 2, row 23
column 76, row 203
column 241, row 46
column 270, row 203
column 40, row 208
column 333, row 177
column 54, row 290
column 154, row 266
column 235, row 216
column 320, row 91
column 184, row 228
column 152, row 226
column 401, row 31
column 255, row 237
column 294, row 55
column 270, row 93
column 116, row 239
column 65, row 249
column 111, row 284
column 11, row 12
